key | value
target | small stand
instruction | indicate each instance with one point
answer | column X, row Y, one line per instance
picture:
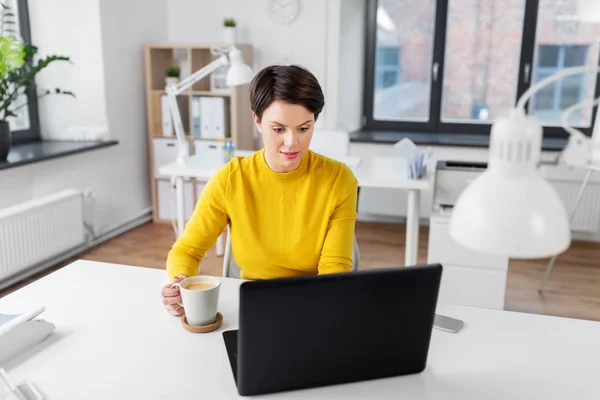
column 202, row 328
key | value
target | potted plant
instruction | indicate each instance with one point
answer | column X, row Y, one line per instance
column 229, row 31
column 17, row 75
column 172, row 77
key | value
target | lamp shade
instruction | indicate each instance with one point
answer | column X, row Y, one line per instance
column 519, row 218
column 239, row 73
column 509, row 209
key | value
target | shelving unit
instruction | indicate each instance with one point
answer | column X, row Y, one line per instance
column 163, row 148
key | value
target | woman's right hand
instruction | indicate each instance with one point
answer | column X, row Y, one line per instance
column 171, row 296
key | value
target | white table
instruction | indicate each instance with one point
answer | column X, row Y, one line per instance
column 377, row 172
column 113, row 340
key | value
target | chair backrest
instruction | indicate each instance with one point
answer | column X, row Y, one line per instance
column 331, row 143
column 232, row 270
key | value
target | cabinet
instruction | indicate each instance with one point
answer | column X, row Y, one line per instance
column 469, row 278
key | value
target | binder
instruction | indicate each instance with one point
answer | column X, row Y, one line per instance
column 167, row 122
column 218, row 115
column 206, row 130
column 212, row 118
column 196, row 120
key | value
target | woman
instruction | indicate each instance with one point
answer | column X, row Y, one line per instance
column 291, row 211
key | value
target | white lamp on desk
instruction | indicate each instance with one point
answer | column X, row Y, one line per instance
column 238, row 74
column 509, row 209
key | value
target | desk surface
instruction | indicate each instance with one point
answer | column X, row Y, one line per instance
column 377, row 172
column 113, row 340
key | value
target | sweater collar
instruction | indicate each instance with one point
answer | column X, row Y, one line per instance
column 262, row 163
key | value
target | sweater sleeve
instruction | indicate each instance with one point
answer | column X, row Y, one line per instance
column 336, row 255
column 207, row 223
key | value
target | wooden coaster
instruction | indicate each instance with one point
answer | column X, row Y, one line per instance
column 202, row 328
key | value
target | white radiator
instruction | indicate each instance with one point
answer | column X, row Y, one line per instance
column 38, row 230
column 587, row 218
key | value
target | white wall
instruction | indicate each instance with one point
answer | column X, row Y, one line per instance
column 53, row 24
column 302, row 42
column 119, row 174
column 350, row 73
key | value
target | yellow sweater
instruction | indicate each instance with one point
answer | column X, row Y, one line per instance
column 282, row 224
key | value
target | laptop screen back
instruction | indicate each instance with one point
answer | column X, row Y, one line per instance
column 315, row 331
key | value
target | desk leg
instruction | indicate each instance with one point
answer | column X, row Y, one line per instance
column 412, row 228
column 180, row 206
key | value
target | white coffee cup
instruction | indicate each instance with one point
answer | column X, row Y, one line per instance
column 200, row 303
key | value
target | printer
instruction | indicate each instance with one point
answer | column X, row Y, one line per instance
column 451, row 178
column 469, row 278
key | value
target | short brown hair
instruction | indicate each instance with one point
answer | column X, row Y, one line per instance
column 289, row 83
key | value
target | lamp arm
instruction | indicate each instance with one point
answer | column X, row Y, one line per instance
column 182, row 86
column 185, row 84
column 553, row 78
column 564, row 121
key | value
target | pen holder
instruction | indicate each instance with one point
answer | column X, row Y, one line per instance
column 228, row 150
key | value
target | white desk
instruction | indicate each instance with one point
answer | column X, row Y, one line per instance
column 113, row 340
column 378, row 172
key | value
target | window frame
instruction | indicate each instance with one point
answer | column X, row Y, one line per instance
column 369, row 82
column 435, row 124
column 33, row 133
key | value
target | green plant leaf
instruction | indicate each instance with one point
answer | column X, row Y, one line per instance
column 17, row 80
column 12, row 55
column 18, row 66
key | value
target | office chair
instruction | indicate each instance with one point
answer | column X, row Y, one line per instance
column 331, row 143
column 232, row 270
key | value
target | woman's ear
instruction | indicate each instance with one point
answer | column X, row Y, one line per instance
column 256, row 121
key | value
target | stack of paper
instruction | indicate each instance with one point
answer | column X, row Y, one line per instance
column 20, row 332
column 416, row 159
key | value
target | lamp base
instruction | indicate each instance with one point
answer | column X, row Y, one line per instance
column 577, row 152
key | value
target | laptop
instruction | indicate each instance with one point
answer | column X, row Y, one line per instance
column 298, row 333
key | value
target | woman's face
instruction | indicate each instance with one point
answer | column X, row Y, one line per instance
column 286, row 130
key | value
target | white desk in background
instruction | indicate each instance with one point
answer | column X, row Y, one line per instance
column 114, row 340
column 376, row 172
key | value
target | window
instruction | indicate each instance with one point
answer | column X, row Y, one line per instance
column 404, row 41
column 481, row 73
column 455, row 66
column 24, row 127
column 549, row 103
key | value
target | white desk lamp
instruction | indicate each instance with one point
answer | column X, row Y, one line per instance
column 238, row 74
column 509, row 209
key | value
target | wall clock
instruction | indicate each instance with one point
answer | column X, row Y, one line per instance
column 284, row 11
